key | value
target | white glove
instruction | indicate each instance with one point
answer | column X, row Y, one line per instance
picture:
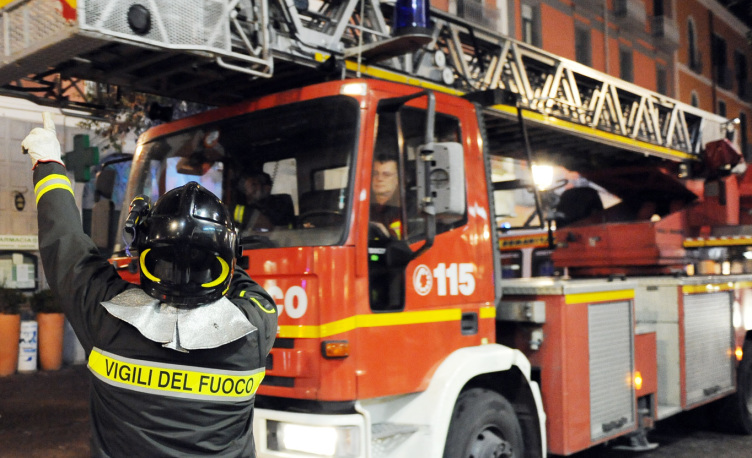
column 42, row 144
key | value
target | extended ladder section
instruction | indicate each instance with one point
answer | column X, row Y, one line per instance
column 219, row 52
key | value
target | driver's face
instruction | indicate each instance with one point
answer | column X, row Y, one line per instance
column 384, row 180
column 253, row 189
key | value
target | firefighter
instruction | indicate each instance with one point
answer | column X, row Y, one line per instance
column 385, row 205
column 258, row 209
column 174, row 363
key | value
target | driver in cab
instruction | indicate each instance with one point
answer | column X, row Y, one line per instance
column 258, row 209
column 386, row 213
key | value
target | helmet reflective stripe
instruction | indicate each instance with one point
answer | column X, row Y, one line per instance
column 222, row 275
column 144, row 270
column 50, row 182
column 218, row 281
column 186, row 229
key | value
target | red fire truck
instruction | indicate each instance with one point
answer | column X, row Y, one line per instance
column 426, row 339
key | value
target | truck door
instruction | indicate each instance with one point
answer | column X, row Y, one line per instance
column 425, row 301
column 394, row 215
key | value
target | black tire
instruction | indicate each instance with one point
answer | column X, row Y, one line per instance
column 484, row 425
column 735, row 412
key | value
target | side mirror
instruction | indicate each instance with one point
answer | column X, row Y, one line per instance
column 103, row 215
column 244, row 262
column 104, row 184
column 442, row 179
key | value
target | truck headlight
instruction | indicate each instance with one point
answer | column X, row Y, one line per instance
column 329, row 441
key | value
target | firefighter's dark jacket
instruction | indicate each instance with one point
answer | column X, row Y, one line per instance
column 147, row 400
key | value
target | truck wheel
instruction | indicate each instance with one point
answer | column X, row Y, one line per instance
column 735, row 413
column 484, row 425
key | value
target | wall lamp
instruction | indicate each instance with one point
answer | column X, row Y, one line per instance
column 731, row 124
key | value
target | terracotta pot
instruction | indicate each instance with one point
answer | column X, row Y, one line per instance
column 51, row 327
column 10, row 330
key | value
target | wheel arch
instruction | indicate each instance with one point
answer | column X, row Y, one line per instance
column 498, row 368
column 516, row 388
column 494, row 366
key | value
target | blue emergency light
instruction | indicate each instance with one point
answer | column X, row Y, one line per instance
column 411, row 17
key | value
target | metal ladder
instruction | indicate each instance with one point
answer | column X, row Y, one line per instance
column 244, row 48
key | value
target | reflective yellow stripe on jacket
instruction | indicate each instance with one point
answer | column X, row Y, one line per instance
column 238, row 213
column 50, row 182
column 174, row 380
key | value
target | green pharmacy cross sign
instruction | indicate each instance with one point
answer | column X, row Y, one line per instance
column 81, row 158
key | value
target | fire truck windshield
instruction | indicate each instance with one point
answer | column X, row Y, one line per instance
column 285, row 173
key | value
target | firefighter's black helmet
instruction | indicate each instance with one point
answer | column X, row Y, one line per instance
column 187, row 246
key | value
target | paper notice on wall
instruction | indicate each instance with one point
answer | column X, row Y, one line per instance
column 6, row 272
column 24, row 276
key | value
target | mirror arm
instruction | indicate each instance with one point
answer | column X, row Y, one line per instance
column 394, row 104
column 426, row 156
column 529, row 157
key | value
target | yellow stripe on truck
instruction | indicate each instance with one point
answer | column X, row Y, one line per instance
column 603, row 296
column 173, row 380
column 378, row 320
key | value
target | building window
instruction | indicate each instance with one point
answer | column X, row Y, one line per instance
column 695, row 63
column 740, row 72
column 658, row 8
column 661, row 80
column 530, row 25
column 582, row 46
column 694, row 100
column 720, row 62
column 626, row 67
column 722, row 108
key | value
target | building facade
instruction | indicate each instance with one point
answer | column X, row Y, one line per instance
column 695, row 51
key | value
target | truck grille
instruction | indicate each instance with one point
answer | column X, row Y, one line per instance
column 708, row 343
column 611, row 366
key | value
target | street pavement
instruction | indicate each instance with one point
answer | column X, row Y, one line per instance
column 45, row 414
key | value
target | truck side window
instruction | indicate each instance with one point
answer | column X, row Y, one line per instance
column 394, row 216
column 406, row 128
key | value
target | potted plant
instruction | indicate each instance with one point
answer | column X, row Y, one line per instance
column 10, row 329
column 51, row 325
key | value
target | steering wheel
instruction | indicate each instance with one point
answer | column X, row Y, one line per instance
column 256, row 241
column 318, row 218
column 377, row 231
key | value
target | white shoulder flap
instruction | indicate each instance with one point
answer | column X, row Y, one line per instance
column 206, row 326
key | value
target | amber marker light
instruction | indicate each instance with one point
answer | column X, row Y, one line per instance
column 638, row 380
column 738, row 353
column 335, row 349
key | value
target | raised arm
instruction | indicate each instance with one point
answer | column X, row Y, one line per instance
column 79, row 276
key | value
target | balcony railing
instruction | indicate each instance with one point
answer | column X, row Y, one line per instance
column 723, row 77
column 665, row 32
column 695, row 62
column 745, row 91
column 631, row 14
column 478, row 13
